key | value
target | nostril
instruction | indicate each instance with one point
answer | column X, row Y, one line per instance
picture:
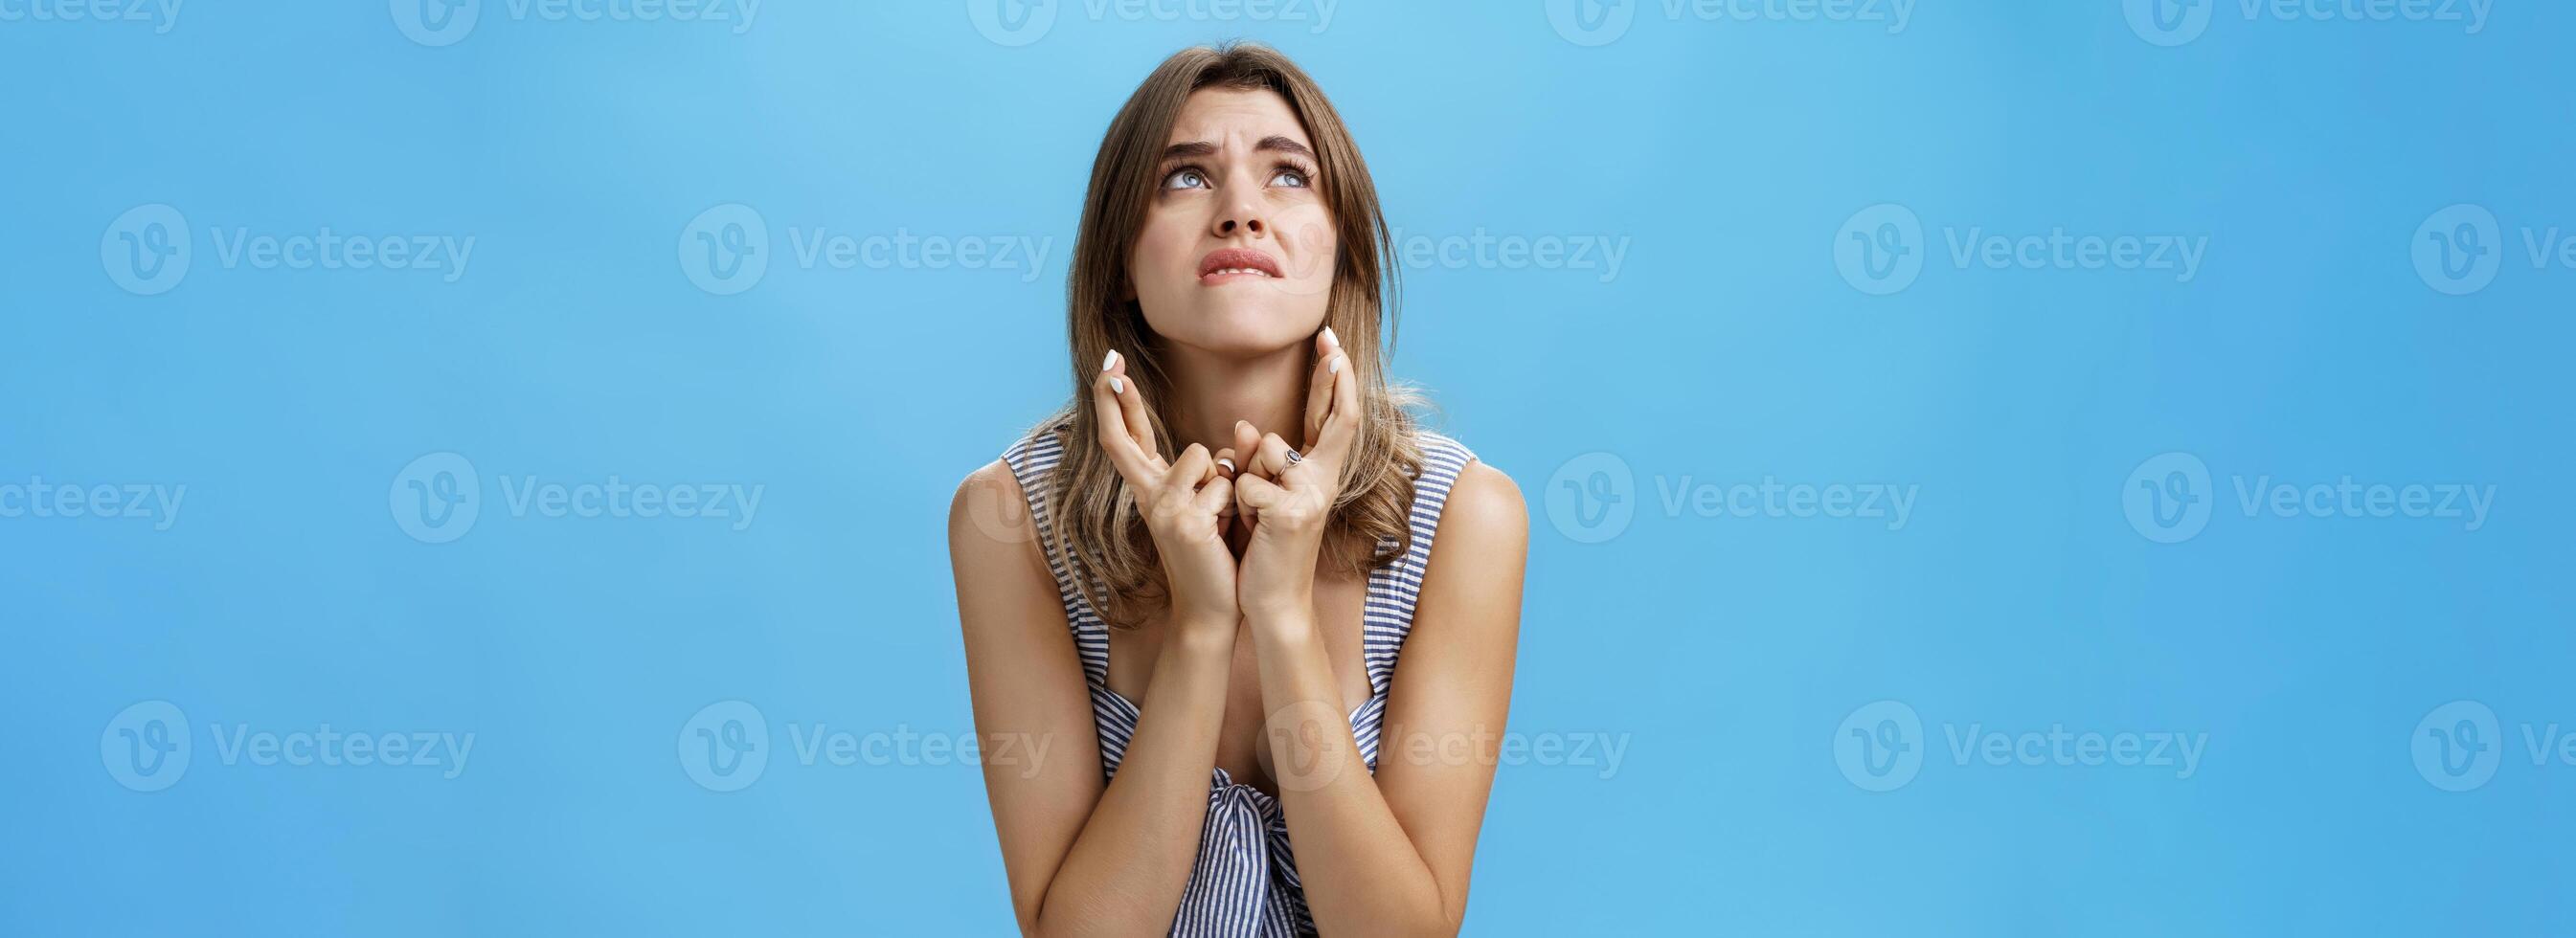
column 1255, row 225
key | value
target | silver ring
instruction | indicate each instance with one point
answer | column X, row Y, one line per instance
column 1294, row 459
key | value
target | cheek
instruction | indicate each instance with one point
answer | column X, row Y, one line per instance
column 1161, row 248
column 1312, row 244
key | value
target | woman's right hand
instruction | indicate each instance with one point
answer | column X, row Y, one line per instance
column 1187, row 503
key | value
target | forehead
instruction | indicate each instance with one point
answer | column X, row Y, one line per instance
column 1236, row 116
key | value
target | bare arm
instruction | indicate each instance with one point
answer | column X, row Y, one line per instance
column 1387, row 854
column 1085, row 857
column 1390, row 854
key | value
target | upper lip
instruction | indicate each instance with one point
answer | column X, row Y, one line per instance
column 1224, row 258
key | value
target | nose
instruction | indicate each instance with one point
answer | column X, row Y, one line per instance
column 1240, row 217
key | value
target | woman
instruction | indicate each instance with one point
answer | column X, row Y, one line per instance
column 1264, row 675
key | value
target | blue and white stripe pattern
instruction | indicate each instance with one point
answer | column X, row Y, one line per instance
column 1244, row 883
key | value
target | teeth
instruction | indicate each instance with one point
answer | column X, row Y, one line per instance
column 1240, row 270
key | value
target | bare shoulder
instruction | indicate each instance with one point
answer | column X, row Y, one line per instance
column 1484, row 508
column 990, row 529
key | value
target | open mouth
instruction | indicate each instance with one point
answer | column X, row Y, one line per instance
column 1226, row 264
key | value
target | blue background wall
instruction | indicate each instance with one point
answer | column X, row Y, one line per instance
column 1789, row 190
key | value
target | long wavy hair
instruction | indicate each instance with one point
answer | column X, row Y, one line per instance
column 1097, row 533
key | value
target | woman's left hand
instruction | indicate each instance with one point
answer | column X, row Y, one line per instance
column 1288, row 503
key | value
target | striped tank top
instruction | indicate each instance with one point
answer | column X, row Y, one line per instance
column 1244, row 882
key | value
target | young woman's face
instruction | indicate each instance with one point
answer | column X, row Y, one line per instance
column 1236, row 255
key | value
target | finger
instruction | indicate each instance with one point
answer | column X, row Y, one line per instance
column 1342, row 424
column 1109, row 422
column 1270, row 458
column 1195, row 467
column 1217, row 496
column 1255, row 493
column 1319, row 385
column 1223, row 467
column 1131, row 409
column 1247, row 439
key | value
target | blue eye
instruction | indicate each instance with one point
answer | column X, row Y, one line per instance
column 1186, row 177
column 1294, row 178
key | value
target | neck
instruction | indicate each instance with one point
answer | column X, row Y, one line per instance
column 1210, row 392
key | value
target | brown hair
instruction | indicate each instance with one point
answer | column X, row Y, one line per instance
column 1097, row 533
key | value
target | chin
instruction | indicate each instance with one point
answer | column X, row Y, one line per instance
column 1244, row 329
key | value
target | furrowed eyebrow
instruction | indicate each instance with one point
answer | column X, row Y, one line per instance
column 1283, row 145
column 1189, row 149
column 1201, row 148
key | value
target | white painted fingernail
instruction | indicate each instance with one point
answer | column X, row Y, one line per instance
column 1329, row 339
column 1333, row 367
column 1117, row 385
column 1111, row 361
column 1227, row 463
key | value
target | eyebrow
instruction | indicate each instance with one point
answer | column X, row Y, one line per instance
column 1202, row 148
